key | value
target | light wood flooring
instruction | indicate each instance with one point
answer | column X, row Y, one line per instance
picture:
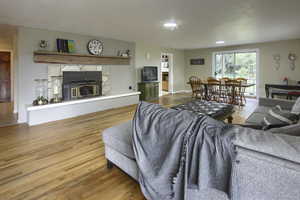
column 64, row 160
column 7, row 117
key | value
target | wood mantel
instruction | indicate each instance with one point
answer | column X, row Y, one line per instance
column 77, row 59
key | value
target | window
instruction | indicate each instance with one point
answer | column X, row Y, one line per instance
column 236, row 64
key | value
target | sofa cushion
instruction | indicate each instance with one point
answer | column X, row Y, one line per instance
column 120, row 138
column 296, row 107
column 277, row 118
column 287, row 147
column 265, row 109
column 293, row 130
column 256, row 118
column 284, row 104
column 262, row 109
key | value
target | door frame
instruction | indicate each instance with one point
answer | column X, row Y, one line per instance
column 171, row 76
column 12, row 71
column 241, row 51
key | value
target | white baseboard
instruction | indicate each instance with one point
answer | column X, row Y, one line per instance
column 182, row 91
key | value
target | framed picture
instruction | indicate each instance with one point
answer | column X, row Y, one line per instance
column 197, row 61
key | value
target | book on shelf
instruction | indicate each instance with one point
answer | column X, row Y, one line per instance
column 71, row 46
column 65, row 46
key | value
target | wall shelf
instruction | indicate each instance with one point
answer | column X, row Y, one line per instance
column 79, row 59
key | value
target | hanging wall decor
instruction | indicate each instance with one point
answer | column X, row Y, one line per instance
column 43, row 45
column 292, row 58
column 276, row 58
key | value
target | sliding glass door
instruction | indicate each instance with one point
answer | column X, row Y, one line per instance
column 237, row 64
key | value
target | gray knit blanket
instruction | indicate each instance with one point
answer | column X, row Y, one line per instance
column 178, row 153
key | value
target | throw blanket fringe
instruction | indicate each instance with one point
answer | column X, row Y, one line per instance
column 180, row 153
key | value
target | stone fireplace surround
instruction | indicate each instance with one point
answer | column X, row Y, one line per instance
column 57, row 70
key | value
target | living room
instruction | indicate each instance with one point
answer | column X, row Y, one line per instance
column 95, row 107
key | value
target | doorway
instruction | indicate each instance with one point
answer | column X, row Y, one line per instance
column 5, row 77
column 7, row 115
column 166, row 70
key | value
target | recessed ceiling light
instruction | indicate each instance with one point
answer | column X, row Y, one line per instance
column 170, row 25
column 220, row 42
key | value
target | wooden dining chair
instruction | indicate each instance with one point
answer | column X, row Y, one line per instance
column 232, row 91
column 213, row 89
column 198, row 90
column 242, row 90
column 224, row 95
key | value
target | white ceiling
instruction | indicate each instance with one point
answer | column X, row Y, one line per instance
column 202, row 22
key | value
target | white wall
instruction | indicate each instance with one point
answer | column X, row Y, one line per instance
column 267, row 72
column 155, row 54
column 28, row 39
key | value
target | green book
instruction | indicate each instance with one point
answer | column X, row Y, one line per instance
column 71, row 46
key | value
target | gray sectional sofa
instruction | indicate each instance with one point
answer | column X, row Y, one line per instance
column 263, row 170
column 264, row 105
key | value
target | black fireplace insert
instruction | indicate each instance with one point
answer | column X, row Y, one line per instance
column 79, row 85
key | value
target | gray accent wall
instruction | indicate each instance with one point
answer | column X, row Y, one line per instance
column 28, row 41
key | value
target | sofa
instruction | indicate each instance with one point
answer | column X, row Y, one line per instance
column 255, row 120
column 264, row 105
column 259, row 172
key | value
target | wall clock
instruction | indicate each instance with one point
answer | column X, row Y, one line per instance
column 95, row 47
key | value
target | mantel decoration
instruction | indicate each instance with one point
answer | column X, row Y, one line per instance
column 276, row 58
column 41, row 93
column 95, row 47
column 292, row 58
column 125, row 54
column 56, row 89
column 44, row 45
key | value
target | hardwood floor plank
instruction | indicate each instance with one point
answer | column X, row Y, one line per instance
column 64, row 160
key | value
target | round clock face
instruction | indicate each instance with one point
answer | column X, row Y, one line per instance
column 95, row 47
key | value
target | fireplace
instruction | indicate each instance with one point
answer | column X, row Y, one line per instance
column 81, row 84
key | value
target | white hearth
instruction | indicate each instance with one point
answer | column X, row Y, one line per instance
column 69, row 109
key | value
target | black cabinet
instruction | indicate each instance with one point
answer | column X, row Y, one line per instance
column 149, row 90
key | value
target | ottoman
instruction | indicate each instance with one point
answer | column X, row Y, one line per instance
column 219, row 111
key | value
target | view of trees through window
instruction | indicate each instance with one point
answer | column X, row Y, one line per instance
column 237, row 65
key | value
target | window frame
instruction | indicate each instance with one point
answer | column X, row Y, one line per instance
column 257, row 51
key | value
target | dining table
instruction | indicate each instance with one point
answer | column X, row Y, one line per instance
column 233, row 85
